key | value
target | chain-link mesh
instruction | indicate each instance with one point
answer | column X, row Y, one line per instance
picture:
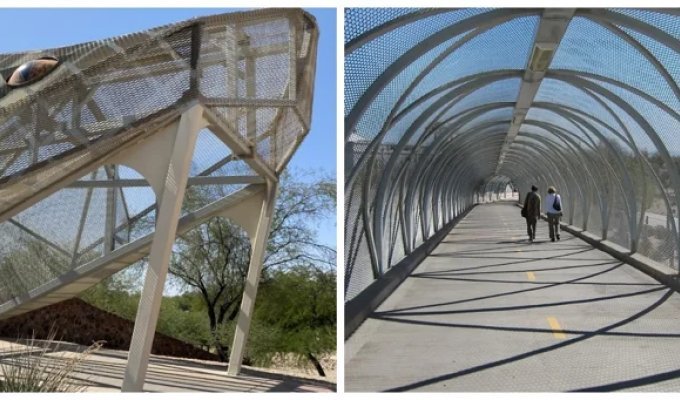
column 428, row 117
column 64, row 204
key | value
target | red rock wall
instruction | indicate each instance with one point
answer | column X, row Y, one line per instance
column 79, row 322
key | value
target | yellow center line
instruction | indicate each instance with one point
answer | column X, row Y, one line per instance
column 557, row 329
column 531, row 276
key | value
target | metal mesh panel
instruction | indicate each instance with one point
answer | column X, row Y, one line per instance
column 577, row 215
column 398, row 251
column 374, row 117
column 595, row 218
column 31, row 264
column 64, row 206
column 360, row 276
column 505, row 46
column 365, row 64
column 559, row 92
column 399, row 128
column 495, row 92
column 419, row 231
column 356, row 251
column 235, row 167
column 658, row 18
column 119, row 83
column 588, row 47
column 664, row 124
column 553, row 118
column 639, row 136
column 497, row 115
column 208, row 152
column 661, row 52
column 283, row 145
column 619, row 231
column 427, row 127
column 361, row 20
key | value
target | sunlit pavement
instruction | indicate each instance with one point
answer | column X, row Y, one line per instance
column 103, row 372
column 488, row 311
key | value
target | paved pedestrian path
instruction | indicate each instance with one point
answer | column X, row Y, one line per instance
column 488, row 311
column 103, row 371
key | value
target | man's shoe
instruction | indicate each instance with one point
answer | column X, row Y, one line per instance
column 552, row 239
column 558, row 237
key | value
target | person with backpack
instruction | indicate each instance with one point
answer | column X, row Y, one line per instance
column 532, row 211
column 553, row 209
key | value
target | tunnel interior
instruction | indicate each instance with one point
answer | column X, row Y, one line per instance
column 447, row 108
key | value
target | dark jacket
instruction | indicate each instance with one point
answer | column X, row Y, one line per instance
column 532, row 203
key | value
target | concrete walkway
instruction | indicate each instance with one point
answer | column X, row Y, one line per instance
column 103, row 371
column 487, row 311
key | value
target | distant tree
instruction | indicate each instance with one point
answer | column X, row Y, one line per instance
column 183, row 317
column 213, row 259
column 298, row 307
column 109, row 296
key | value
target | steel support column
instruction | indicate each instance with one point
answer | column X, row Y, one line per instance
column 258, row 246
column 161, row 248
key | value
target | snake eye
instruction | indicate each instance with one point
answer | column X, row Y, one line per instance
column 32, row 71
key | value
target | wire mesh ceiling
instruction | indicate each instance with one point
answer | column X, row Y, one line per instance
column 63, row 206
column 446, row 107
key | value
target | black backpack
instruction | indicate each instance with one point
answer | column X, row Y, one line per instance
column 556, row 204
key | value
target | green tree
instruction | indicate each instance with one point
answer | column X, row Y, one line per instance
column 183, row 318
column 297, row 311
column 109, row 296
column 213, row 259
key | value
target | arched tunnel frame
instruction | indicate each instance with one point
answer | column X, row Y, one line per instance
column 401, row 193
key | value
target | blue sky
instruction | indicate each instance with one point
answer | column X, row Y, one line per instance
column 30, row 29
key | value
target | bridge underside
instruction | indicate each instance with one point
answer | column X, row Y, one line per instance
column 487, row 311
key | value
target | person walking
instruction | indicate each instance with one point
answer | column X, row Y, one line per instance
column 553, row 209
column 532, row 211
